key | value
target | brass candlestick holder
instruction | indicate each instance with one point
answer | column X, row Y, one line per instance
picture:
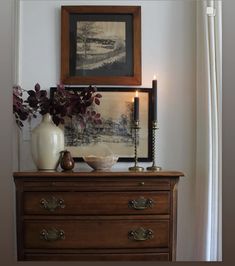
column 136, row 168
column 154, row 167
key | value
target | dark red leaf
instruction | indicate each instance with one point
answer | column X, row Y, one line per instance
column 98, row 95
column 97, row 101
column 31, row 93
column 37, row 87
column 42, row 93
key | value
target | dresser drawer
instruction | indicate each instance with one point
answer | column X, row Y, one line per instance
column 90, row 234
column 99, row 184
column 97, row 203
column 99, row 257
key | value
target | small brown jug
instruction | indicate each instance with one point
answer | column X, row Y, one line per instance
column 66, row 161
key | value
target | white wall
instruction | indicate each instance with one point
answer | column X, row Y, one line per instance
column 168, row 49
column 7, row 229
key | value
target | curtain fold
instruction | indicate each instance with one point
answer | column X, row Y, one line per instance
column 209, row 128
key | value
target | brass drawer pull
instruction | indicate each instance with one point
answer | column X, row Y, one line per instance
column 52, row 203
column 52, row 234
column 141, row 203
column 140, row 234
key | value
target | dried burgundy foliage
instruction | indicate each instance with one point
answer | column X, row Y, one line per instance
column 64, row 103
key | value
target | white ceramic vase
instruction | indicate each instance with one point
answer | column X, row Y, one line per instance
column 47, row 141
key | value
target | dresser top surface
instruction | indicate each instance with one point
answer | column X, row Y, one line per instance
column 81, row 174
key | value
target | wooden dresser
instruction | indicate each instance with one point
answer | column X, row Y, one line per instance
column 96, row 216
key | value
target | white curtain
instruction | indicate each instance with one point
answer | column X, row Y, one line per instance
column 209, row 125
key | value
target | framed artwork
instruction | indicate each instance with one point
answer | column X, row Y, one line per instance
column 115, row 132
column 101, row 45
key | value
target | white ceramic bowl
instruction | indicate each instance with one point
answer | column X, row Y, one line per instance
column 101, row 162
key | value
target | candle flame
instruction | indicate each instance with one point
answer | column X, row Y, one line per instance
column 136, row 94
column 154, row 77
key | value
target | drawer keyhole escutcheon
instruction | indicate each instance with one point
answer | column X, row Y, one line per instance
column 52, row 204
column 52, row 234
column 141, row 203
column 141, row 234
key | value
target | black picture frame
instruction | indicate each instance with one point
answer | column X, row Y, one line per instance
column 101, row 45
column 111, row 98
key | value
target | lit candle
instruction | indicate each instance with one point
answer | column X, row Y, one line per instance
column 154, row 88
column 136, row 107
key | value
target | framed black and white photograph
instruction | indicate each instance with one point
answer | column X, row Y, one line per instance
column 115, row 132
column 101, row 45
